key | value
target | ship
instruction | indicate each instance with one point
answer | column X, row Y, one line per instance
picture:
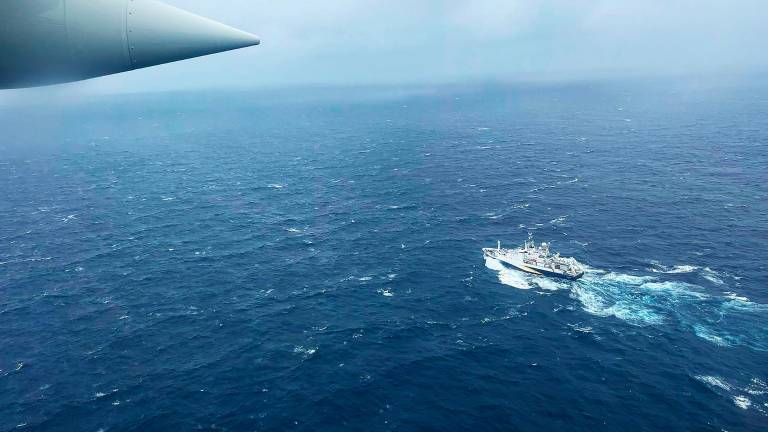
column 536, row 260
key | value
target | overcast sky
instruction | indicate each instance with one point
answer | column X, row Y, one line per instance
column 415, row 41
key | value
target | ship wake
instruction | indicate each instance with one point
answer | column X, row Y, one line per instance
column 724, row 319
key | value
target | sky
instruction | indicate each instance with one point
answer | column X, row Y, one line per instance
column 360, row 42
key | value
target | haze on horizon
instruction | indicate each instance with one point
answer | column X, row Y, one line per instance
column 361, row 42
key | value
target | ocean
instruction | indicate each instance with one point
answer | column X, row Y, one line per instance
column 310, row 259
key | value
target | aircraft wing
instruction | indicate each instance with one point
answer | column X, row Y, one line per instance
column 46, row 42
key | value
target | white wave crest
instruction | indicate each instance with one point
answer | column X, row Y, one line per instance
column 559, row 220
column 757, row 387
column 25, row 260
column 705, row 272
column 737, row 392
column 681, row 268
column 742, row 402
column 714, row 381
column 712, row 276
column 305, row 352
column 733, row 296
column 743, row 304
column 708, row 334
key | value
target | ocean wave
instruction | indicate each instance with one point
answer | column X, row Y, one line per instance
column 401, row 207
column 738, row 393
column 742, row 402
column 305, row 352
column 710, row 335
column 714, row 381
column 659, row 268
column 580, row 328
column 25, row 260
column 733, row 296
column 730, row 323
column 757, row 387
column 740, row 303
column 712, row 276
column 512, row 313
column 682, row 269
column 705, row 272
column 560, row 220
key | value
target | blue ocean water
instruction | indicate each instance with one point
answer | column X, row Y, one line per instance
column 310, row 260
